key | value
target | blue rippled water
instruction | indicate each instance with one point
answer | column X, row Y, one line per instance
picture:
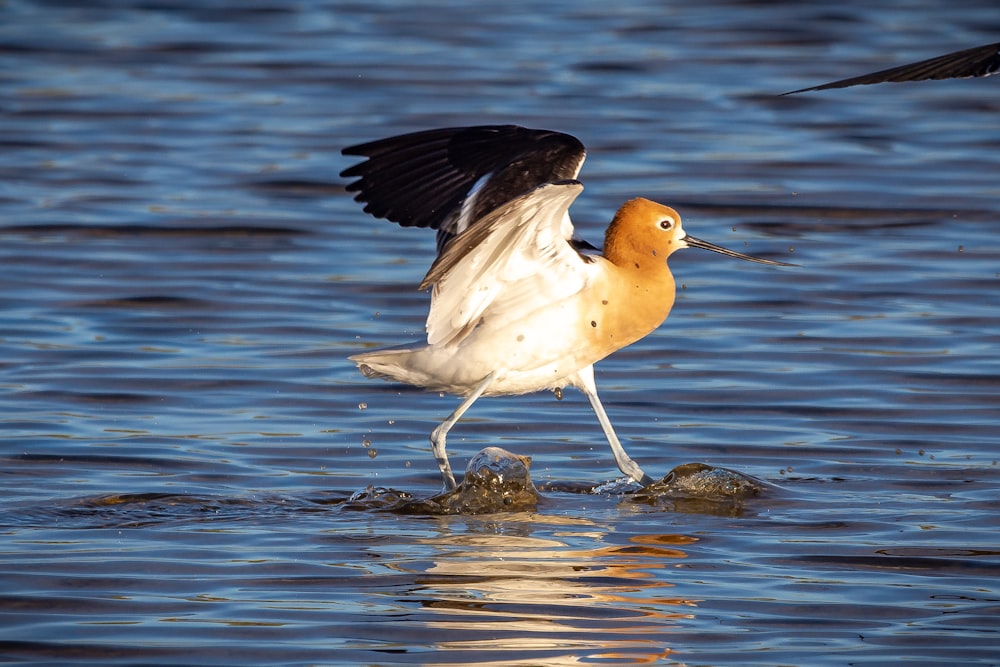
column 182, row 276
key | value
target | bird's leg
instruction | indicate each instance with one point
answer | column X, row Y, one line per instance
column 585, row 381
column 440, row 434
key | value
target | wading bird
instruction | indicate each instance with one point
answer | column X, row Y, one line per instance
column 517, row 304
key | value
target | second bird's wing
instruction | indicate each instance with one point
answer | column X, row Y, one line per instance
column 516, row 258
column 978, row 61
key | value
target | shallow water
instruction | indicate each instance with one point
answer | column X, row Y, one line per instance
column 182, row 276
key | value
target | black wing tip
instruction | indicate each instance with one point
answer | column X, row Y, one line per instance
column 420, row 179
column 461, row 132
column 825, row 86
column 352, row 171
column 979, row 61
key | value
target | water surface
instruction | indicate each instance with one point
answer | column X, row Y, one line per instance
column 182, row 276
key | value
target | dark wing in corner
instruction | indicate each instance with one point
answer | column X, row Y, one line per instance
column 978, row 61
column 446, row 179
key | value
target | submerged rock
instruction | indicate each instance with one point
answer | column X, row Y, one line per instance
column 701, row 488
column 704, row 481
column 495, row 481
column 499, row 481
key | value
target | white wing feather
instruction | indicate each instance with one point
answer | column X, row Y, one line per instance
column 516, row 256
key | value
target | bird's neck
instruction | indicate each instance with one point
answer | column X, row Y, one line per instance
column 627, row 304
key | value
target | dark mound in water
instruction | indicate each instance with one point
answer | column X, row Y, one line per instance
column 499, row 481
column 701, row 488
column 495, row 481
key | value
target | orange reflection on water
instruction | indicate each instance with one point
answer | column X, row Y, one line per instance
column 534, row 595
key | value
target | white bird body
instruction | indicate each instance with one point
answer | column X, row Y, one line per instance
column 523, row 290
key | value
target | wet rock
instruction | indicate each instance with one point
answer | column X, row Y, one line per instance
column 499, row 481
column 704, row 481
column 701, row 488
column 495, row 481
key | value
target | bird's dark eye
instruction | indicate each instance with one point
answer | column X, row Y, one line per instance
column 666, row 224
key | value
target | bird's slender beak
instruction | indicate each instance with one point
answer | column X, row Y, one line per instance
column 698, row 243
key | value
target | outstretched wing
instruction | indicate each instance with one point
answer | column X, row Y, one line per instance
column 518, row 254
column 446, row 179
column 978, row 61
